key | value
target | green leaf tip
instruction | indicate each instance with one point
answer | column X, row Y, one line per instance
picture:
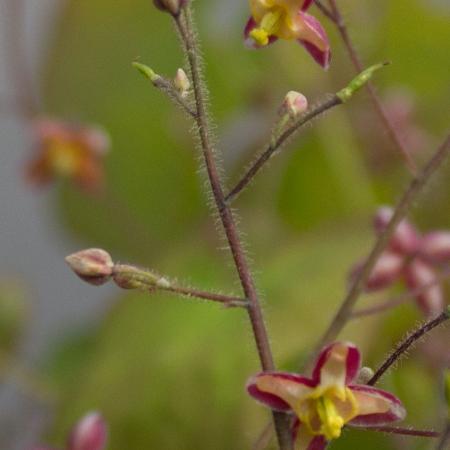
column 359, row 81
column 146, row 71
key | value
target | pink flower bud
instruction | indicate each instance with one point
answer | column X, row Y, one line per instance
column 90, row 433
column 405, row 239
column 93, row 265
column 419, row 275
column 435, row 246
column 294, row 104
column 182, row 83
column 386, row 271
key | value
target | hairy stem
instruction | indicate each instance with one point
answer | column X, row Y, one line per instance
column 275, row 146
column 411, row 194
column 185, row 27
column 403, row 346
column 445, row 438
column 337, row 19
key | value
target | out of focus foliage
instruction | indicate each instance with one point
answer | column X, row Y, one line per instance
column 170, row 374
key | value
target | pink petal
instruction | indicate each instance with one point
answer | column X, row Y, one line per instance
column 405, row 239
column 376, row 407
column 315, row 40
column 435, row 246
column 307, row 4
column 249, row 42
column 278, row 390
column 304, row 440
column 90, row 433
column 338, row 363
column 387, row 270
column 419, row 274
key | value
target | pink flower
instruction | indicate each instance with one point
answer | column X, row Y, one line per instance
column 413, row 259
column 90, row 433
column 287, row 19
column 326, row 402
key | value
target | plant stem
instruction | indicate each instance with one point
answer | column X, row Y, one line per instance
column 186, row 31
column 404, row 431
column 275, row 146
column 398, row 300
column 337, row 19
column 413, row 190
column 403, row 346
column 445, row 438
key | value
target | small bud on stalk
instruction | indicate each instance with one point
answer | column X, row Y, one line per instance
column 131, row 277
column 94, row 265
column 170, row 6
column 90, row 433
column 182, row 83
column 435, row 246
column 294, row 104
column 364, row 375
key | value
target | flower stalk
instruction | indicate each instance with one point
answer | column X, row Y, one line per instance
column 187, row 33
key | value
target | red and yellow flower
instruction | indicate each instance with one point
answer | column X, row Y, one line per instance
column 326, row 402
column 287, row 19
column 67, row 150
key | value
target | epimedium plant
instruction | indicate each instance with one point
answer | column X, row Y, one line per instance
column 308, row 412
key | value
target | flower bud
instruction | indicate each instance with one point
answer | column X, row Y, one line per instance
column 387, row 270
column 131, row 277
column 419, row 275
column 364, row 375
column 435, row 246
column 182, row 83
column 294, row 104
column 93, row 265
column 90, row 433
column 171, row 6
column 405, row 238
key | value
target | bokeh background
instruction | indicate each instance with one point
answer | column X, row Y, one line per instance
column 165, row 372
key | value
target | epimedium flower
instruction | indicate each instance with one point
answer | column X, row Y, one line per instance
column 411, row 257
column 89, row 433
column 326, row 402
column 287, row 19
column 68, row 150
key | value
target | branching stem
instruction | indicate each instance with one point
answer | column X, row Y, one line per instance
column 185, row 28
column 411, row 194
column 403, row 346
column 336, row 17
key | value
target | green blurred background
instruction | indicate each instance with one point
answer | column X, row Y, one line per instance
column 168, row 373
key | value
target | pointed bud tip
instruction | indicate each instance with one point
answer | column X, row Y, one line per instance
column 146, row 71
column 93, row 265
column 90, row 433
column 181, row 82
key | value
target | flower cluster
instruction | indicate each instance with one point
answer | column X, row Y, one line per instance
column 326, row 402
column 90, row 433
column 287, row 19
column 413, row 258
column 68, row 150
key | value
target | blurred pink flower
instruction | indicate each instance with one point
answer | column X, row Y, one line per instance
column 67, row 150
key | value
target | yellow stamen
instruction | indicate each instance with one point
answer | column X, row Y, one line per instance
column 269, row 26
column 332, row 422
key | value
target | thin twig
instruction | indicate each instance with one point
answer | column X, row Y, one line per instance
column 337, row 19
column 445, row 439
column 132, row 277
column 411, row 194
column 399, row 299
column 187, row 33
column 325, row 11
column 402, row 431
column 276, row 146
column 403, row 346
